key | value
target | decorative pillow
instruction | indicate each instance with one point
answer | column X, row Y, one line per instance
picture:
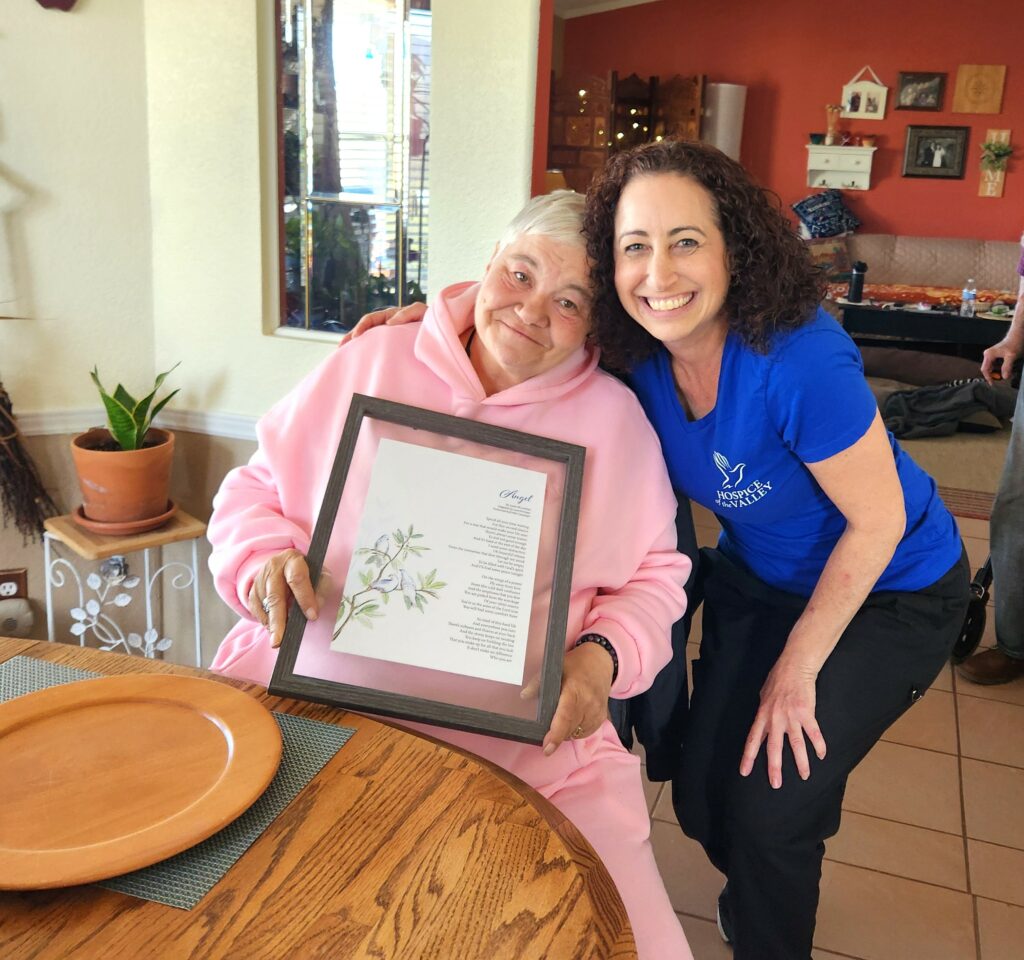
column 825, row 215
column 831, row 256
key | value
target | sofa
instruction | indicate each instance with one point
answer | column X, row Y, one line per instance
column 937, row 261
column 928, row 269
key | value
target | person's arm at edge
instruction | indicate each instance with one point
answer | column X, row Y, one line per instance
column 1010, row 348
column 863, row 484
column 251, row 533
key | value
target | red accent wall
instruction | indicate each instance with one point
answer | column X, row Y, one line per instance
column 794, row 56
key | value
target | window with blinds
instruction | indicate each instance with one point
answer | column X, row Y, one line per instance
column 355, row 146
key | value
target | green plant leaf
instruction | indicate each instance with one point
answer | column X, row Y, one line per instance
column 129, row 419
column 123, row 397
column 119, row 418
column 163, row 403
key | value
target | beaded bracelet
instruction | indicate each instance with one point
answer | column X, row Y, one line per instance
column 602, row 642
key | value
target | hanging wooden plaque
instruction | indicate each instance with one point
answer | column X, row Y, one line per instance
column 979, row 88
column 992, row 181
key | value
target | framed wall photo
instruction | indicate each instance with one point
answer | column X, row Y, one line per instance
column 920, row 91
column 935, row 152
column 443, row 551
column 864, row 98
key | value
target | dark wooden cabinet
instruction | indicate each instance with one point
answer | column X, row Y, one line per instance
column 592, row 117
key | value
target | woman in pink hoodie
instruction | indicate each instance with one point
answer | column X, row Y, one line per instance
column 512, row 351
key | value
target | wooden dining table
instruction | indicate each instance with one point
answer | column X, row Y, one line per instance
column 400, row 847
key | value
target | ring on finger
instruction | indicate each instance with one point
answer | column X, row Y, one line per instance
column 267, row 602
column 578, row 732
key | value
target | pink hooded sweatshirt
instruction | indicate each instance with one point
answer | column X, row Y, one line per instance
column 627, row 581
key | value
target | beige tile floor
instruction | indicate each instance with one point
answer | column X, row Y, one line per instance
column 929, row 862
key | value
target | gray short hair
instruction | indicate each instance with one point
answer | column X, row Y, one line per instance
column 558, row 215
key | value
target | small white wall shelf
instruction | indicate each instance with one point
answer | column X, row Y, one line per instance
column 842, row 168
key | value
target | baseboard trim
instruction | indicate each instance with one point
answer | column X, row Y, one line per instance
column 51, row 422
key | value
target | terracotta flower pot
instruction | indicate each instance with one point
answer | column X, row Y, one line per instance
column 120, row 486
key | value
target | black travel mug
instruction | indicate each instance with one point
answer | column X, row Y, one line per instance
column 856, row 292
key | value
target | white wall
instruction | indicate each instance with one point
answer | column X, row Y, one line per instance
column 147, row 238
column 484, row 56
column 214, row 304
column 73, row 147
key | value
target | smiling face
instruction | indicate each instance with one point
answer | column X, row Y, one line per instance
column 532, row 311
column 671, row 264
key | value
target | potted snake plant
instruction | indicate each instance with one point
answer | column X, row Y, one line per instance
column 124, row 469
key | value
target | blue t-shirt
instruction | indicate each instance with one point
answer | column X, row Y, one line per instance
column 804, row 401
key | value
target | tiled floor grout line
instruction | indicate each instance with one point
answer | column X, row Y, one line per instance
column 941, row 753
column 994, row 763
column 977, row 928
column 902, row 823
column 974, row 696
column 874, row 816
column 963, row 818
column 697, row 916
column 897, row 876
column 993, row 843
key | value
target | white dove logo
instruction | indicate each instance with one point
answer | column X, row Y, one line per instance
column 732, row 476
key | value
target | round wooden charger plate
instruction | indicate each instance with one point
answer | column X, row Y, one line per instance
column 109, row 775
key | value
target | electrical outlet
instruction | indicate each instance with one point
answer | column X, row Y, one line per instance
column 13, row 583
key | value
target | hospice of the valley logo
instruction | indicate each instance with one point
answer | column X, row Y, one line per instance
column 732, row 495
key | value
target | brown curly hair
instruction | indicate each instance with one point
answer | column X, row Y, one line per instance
column 773, row 285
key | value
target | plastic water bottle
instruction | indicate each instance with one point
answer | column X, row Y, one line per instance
column 968, row 298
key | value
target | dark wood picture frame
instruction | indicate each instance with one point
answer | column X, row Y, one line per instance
column 920, row 91
column 922, row 143
column 286, row 682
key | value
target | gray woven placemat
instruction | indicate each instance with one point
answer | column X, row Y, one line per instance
column 184, row 879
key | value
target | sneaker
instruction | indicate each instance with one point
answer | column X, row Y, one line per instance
column 991, row 667
column 725, row 915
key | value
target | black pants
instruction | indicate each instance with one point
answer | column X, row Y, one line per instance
column 770, row 843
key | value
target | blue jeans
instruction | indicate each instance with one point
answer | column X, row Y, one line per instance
column 1007, row 543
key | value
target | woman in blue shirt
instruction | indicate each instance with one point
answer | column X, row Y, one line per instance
column 839, row 584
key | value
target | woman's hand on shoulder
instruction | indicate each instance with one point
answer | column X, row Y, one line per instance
column 389, row 316
column 284, row 577
column 788, row 699
column 583, row 703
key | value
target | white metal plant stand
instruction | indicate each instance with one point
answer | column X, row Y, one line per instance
column 104, row 593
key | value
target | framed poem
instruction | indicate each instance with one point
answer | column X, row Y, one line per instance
column 920, row 91
column 937, row 152
column 443, row 554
